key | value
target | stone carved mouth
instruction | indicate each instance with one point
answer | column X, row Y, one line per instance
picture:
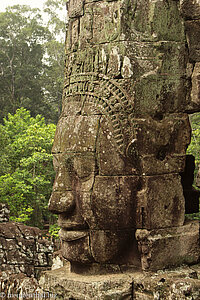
column 71, row 235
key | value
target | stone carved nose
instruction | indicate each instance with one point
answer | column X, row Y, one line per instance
column 61, row 202
column 62, row 199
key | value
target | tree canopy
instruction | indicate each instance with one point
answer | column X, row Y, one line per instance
column 31, row 60
column 26, row 171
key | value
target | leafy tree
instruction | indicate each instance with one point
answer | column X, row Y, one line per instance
column 22, row 37
column 31, row 61
column 54, row 60
column 53, row 8
column 26, row 165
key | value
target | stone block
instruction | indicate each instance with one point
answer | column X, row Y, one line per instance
column 70, row 129
column 79, row 287
column 9, row 230
column 120, row 20
column 70, row 165
column 72, row 37
column 76, row 250
column 195, row 93
column 155, row 95
column 28, row 232
column 192, row 28
column 151, row 165
column 101, row 22
column 160, row 145
column 190, row 9
column 161, row 248
column 2, row 256
column 4, row 213
column 179, row 283
column 169, row 135
column 17, row 257
column 150, row 146
column 161, row 203
column 116, row 247
column 109, row 157
column 61, row 201
column 75, row 8
column 112, row 204
column 157, row 20
column 72, row 105
column 164, row 58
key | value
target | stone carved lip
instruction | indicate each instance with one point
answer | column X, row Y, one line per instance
column 70, row 226
column 72, row 235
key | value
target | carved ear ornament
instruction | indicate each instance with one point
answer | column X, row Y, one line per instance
column 131, row 150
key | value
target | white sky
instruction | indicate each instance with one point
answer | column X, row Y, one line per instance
column 32, row 3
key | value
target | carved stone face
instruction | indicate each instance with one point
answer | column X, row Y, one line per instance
column 121, row 140
column 108, row 180
column 94, row 191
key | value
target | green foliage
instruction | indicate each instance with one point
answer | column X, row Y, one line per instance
column 26, row 172
column 195, row 216
column 54, row 230
column 24, row 215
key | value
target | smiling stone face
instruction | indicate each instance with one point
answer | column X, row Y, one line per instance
column 121, row 140
column 96, row 210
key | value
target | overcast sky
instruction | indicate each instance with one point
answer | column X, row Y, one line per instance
column 32, row 3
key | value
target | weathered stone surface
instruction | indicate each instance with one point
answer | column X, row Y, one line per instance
column 167, row 247
column 120, row 20
column 70, row 129
column 75, row 8
column 190, row 9
column 76, row 247
column 154, row 209
column 195, row 93
column 22, row 250
column 110, row 161
column 152, row 75
column 19, row 286
column 79, row 287
column 159, row 146
column 4, row 213
column 122, row 136
column 112, row 246
column 112, row 203
column 193, row 36
column 177, row 284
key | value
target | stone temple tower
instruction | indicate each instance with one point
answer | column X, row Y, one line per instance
column 121, row 140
